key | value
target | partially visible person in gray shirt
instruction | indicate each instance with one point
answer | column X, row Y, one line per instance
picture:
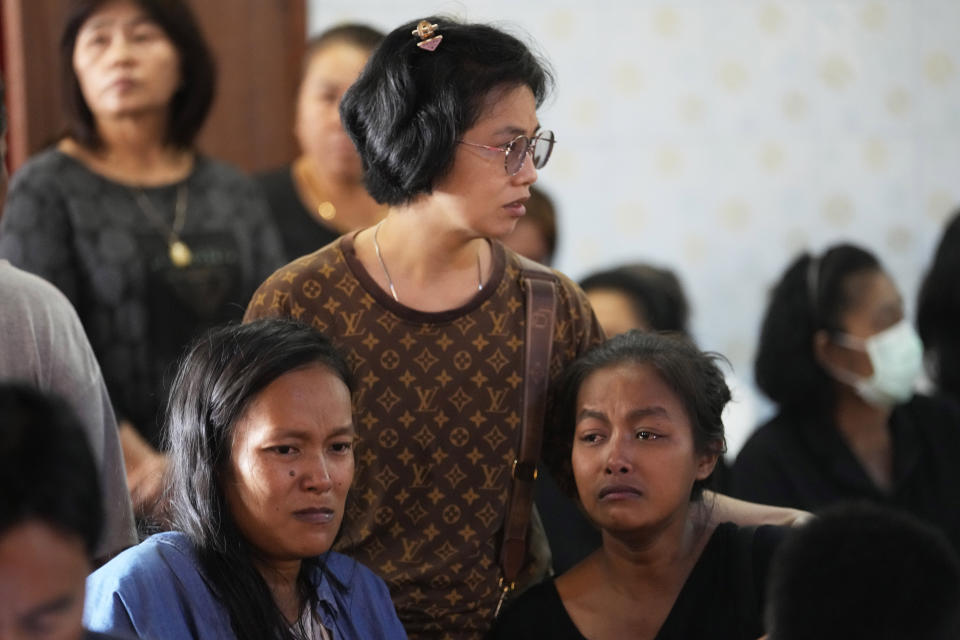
column 43, row 344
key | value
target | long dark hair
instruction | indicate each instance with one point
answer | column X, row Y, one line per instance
column 220, row 375
column 812, row 295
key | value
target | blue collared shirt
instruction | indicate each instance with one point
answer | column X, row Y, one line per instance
column 156, row 591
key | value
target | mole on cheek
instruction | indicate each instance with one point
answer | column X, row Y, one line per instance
column 292, row 473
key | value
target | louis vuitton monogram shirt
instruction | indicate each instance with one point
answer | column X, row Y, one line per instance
column 437, row 404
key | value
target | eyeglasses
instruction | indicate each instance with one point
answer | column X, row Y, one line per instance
column 539, row 147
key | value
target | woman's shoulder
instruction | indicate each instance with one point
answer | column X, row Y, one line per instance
column 744, row 555
column 31, row 293
column 934, row 420
column 521, row 264
column 541, row 596
column 155, row 586
column 576, row 323
column 778, row 434
column 723, row 597
column 345, row 568
column 302, row 279
column 46, row 169
column 148, row 564
column 360, row 598
column 764, row 466
column 932, row 410
column 356, row 578
column 536, row 613
column 47, row 161
column 759, row 542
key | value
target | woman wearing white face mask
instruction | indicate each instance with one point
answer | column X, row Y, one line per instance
column 841, row 361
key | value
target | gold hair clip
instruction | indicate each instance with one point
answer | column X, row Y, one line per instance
column 425, row 32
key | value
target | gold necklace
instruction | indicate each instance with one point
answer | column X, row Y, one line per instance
column 325, row 208
column 383, row 265
column 177, row 249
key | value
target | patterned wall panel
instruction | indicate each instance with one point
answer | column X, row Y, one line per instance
column 720, row 137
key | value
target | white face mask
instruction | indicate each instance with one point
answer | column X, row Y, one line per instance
column 897, row 358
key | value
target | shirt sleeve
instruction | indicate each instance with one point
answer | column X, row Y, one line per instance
column 44, row 344
column 273, row 298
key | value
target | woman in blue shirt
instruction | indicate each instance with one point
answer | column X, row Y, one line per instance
column 261, row 436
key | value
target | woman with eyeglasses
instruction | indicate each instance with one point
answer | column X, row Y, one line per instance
column 841, row 360
column 430, row 308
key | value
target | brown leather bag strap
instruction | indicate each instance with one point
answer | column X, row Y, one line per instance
column 540, row 285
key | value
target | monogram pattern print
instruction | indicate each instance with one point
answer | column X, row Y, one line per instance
column 437, row 404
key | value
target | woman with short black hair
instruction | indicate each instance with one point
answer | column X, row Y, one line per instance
column 841, row 361
column 149, row 239
column 429, row 305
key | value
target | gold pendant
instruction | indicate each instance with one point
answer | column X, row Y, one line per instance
column 327, row 211
column 180, row 254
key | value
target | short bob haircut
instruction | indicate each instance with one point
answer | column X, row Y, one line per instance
column 47, row 469
column 863, row 571
column 692, row 374
column 812, row 295
column 938, row 312
column 410, row 107
column 190, row 104
column 655, row 294
column 221, row 374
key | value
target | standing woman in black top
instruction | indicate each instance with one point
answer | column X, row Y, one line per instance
column 841, row 361
column 321, row 194
column 150, row 240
